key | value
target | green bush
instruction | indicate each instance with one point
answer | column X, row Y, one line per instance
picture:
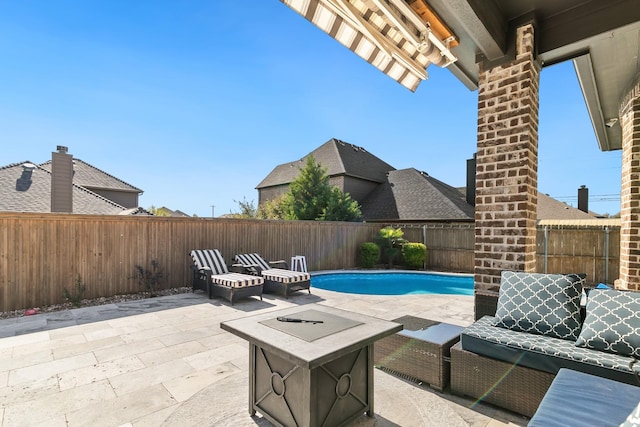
column 369, row 254
column 414, row 254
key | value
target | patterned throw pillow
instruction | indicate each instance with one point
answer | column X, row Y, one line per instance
column 541, row 304
column 612, row 323
column 633, row 420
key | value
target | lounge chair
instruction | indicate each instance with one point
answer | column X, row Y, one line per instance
column 210, row 274
column 276, row 280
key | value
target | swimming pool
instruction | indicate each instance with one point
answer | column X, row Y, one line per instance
column 385, row 282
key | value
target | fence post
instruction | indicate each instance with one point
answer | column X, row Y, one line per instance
column 424, row 240
column 606, row 255
column 545, row 246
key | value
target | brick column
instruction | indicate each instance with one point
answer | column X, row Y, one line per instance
column 630, row 194
column 507, row 170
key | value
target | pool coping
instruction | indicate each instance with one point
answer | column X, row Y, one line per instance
column 391, row 271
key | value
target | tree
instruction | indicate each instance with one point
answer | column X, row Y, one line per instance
column 247, row 209
column 309, row 193
column 341, row 207
column 159, row 211
column 311, row 197
column 390, row 241
column 272, row 209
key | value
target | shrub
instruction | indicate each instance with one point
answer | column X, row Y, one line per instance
column 414, row 254
column 149, row 279
column 369, row 254
column 76, row 296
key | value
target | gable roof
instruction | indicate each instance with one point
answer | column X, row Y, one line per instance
column 91, row 177
column 29, row 190
column 339, row 158
column 411, row 195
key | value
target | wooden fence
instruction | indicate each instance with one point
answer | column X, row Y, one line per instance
column 42, row 254
column 594, row 250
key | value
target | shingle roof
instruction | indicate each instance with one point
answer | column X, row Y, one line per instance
column 550, row 208
column 339, row 158
column 30, row 191
column 89, row 176
column 409, row 194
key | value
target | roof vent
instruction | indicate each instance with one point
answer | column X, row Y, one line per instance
column 28, row 167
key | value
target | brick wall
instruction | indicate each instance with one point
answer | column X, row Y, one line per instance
column 630, row 194
column 507, row 166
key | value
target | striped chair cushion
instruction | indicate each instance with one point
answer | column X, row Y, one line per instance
column 237, row 280
column 211, row 258
column 252, row 259
column 285, row 276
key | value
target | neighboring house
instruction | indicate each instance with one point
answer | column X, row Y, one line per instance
column 350, row 168
column 550, row 208
column 102, row 183
column 64, row 184
column 412, row 195
column 389, row 195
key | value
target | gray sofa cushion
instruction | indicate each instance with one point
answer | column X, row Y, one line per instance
column 544, row 353
column 579, row 399
column 612, row 323
column 540, row 304
column 633, row 419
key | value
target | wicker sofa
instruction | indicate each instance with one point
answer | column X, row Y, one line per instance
column 511, row 359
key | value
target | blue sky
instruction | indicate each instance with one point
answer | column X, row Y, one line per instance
column 195, row 102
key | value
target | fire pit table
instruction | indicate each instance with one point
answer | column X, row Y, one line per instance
column 311, row 365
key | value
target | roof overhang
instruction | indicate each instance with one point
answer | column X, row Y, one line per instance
column 601, row 37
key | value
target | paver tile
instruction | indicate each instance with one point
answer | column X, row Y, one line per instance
column 120, row 410
column 145, row 377
column 99, row 371
column 216, row 356
column 47, row 369
column 128, row 349
column 162, row 355
column 183, row 387
column 40, row 410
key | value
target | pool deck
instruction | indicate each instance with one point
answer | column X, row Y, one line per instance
column 165, row 362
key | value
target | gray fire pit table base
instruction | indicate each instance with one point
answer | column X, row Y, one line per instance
column 311, row 374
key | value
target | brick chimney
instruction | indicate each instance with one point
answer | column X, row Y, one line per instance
column 583, row 199
column 61, row 181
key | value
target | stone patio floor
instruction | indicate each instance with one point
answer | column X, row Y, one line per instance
column 165, row 362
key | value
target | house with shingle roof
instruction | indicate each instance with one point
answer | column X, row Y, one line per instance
column 350, row 168
column 389, row 195
column 64, row 181
column 102, row 183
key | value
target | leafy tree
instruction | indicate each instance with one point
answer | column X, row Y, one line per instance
column 247, row 209
column 272, row 209
column 341, row 207
column 390, row 241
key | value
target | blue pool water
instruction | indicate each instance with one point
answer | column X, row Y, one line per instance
column 394, row 283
